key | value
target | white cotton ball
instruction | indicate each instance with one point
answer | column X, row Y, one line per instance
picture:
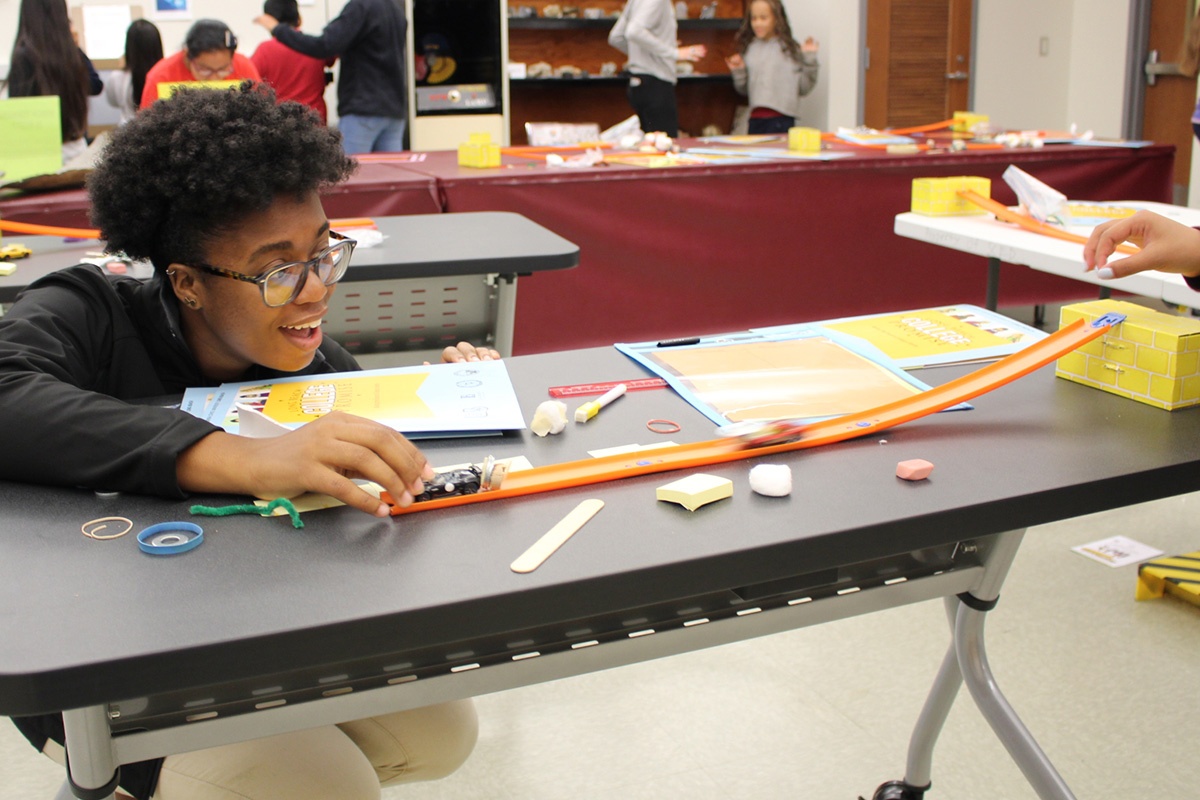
column 554, row 160
column 772, row 480
column 549, row 417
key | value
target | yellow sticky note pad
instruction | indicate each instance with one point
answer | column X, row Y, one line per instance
column 696, row 490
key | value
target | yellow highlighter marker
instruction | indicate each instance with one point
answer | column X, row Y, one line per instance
column 589, row 410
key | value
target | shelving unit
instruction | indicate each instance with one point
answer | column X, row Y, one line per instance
column 705, row 97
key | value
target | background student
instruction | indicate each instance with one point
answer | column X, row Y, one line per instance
column 646, row 32
column 369, row 37
column 293, row 75
column 771, row 68
column 143, row 49
column 209, row 54
column 46, row 60
column 220, row 190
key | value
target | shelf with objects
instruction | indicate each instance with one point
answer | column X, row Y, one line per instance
column 562, row 69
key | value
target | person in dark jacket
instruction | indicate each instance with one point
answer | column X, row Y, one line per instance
column 369, row 37
column 219, row 191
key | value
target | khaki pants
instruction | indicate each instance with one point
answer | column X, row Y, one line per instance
column 349, row 761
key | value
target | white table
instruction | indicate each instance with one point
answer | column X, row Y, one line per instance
column 997, row 241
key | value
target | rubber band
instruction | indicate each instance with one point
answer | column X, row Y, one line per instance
column 91, row 533
column 252, row 508
column 664, row 426
column 169, row 538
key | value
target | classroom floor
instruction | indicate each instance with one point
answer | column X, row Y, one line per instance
column 1106, row 684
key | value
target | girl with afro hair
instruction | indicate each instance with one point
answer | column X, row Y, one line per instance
column 220, row 191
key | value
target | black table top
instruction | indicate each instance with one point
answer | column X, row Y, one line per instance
column 415, row 246
column 87, row 622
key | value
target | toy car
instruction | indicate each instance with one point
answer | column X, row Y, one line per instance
column 11, row 252
column 465, row 480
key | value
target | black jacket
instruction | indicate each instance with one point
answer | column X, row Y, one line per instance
column 369, row 37
column 78, row 349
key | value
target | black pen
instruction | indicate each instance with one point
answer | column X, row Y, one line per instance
column 679, row 342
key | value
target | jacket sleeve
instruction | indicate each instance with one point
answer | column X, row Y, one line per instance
column 336, row 39
column 616, row 37
column 63, row 424
column 637, row 30
column 95, row 85
column 807, row 69
column 741, row 79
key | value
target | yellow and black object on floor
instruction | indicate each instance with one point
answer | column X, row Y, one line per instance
column 1177, row 575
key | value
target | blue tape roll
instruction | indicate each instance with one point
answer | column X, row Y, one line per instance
column 168, row 538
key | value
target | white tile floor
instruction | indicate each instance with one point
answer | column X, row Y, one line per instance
column 1107, row 684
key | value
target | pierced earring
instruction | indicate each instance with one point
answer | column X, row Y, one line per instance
column 191, row 302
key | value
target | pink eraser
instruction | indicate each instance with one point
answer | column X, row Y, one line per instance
column 915, row 469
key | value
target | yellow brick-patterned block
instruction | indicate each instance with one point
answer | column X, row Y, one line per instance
column 479, row 151
column 804, row 140
column 1151, row 357
column 1183, row 365
column 1116, row 352
column 965, row 121
column 938, row 197
column 1134, row 381
column 1152, row 360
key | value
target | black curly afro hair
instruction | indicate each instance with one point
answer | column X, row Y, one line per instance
column 188, row 169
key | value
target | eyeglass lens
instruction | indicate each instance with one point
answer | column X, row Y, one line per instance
column 284, row 284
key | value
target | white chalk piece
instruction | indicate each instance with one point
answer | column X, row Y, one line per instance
column 771, row 480
column 695, row 490
column 915, row 469
column 554, row 538
column 549, row 417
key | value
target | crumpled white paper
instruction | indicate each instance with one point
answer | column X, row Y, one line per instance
column 1040, row 201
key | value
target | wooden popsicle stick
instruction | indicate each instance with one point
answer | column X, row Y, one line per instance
column 554, row 538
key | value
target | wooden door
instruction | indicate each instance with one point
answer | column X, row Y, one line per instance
column 1170, row 95
column 919, row 61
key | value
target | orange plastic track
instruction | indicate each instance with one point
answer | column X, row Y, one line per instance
column 1027, row 222
column 718, row 451
column 93, row 233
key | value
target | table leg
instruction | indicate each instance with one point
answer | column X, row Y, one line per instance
column 966, row 662
column 505, row 287
column 92, row 769
column 993, row 284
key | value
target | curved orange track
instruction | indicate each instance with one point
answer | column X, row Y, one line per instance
column 718, row 451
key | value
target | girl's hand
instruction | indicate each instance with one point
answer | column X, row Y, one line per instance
column 1166, row 245
column 736, row 61
column 465, row 351
column 693, row 52
column 810, row 45
column 323, row 456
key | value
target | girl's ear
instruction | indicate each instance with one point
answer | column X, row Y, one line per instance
column 185, row 284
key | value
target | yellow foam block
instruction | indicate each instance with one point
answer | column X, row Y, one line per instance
column 1151, row 357
column 479, row 151
column 695, row 490
column 938, row 197
column 804, row 140
column 1177, row 575
column 965, row 121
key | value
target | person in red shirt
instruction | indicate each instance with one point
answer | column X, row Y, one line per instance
column 208, row 54
column 294, row 75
